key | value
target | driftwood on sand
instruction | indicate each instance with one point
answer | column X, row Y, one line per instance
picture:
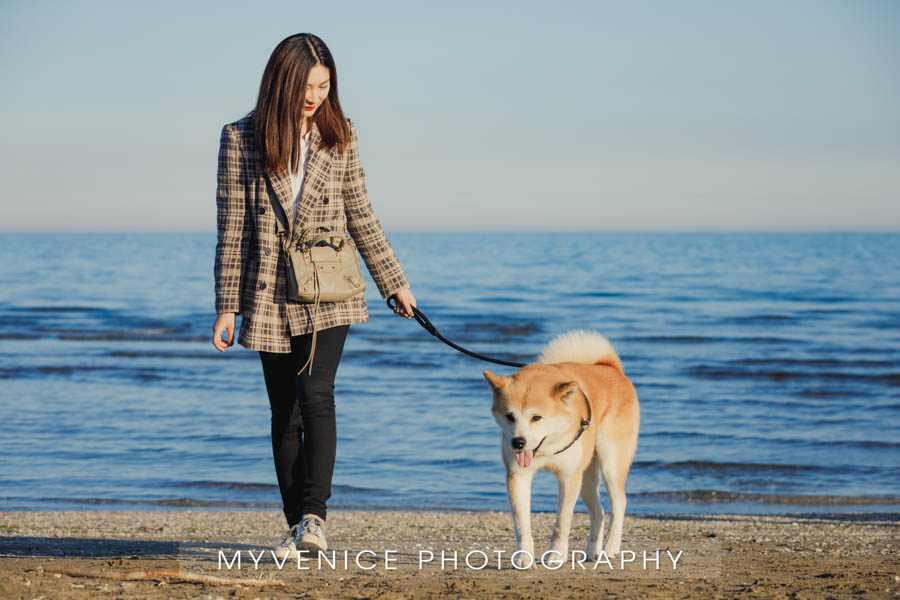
column 165, row 574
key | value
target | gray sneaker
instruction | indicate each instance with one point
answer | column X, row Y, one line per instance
column 288, row 546
column 312, row 535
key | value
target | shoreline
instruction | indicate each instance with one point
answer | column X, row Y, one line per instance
column 385, row 553
column 679, row 500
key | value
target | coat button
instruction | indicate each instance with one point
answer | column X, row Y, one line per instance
column 262, row 286
column 262, row 209
column 268, row 251
column 325, row 200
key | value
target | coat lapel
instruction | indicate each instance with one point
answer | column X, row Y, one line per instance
column 314, row 181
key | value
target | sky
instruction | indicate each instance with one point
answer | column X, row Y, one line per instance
column 471, row 116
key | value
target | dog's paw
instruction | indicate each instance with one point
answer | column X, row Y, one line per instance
column 593, row 551
column 556, row 555
column 523, row 562
column 523, row 558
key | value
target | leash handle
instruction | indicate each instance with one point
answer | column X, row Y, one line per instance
column 418, row 315
column 430, row 328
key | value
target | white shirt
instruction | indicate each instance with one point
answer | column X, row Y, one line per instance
column 298, row 176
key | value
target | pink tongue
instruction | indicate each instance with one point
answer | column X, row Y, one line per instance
column 524, row 458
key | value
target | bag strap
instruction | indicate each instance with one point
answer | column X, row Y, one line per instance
column 281, row 221
column 315, row 331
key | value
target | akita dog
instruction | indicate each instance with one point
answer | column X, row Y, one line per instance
column 573, row 413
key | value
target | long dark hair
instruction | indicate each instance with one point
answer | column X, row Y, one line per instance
column 282, row 94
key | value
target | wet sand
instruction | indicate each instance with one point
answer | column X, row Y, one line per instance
column 398, row 554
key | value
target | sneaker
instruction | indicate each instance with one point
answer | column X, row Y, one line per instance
column 288, row 546
column 312, row 535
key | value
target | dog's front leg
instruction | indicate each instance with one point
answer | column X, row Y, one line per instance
column 569, row 488
column 518, row 485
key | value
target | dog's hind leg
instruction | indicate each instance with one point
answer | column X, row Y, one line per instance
column 614, row 473
column 518, row 485
column 590, row 495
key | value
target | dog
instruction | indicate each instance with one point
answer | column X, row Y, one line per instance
column 573, row 413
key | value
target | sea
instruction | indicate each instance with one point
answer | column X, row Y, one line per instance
column 767, row 368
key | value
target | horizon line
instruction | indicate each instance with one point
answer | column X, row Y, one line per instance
column 489, row 231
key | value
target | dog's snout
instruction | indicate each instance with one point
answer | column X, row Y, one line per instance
column 518, row 443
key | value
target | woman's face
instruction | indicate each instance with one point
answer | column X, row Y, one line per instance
column 317, row 85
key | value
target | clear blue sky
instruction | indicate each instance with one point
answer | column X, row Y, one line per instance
column 587, row 116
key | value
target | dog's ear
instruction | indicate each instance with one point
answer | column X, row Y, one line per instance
column 564, row 390
column 497, row 381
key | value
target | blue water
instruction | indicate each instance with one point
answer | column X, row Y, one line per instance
column 767, row 366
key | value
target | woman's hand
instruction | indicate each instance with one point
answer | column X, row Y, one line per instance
column 224, row 322
column 403, row 303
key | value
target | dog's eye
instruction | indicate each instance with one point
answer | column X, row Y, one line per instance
column 535, row 418
column 510, row 418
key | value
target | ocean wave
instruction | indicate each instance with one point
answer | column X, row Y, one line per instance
column 231, row 485
column 719, row 372
column 699, row 339
column 706, row 436
column 727, row 466
column 808, row 500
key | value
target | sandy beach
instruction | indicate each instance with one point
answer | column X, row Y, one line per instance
column 398, row 554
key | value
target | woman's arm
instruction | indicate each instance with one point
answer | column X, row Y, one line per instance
column 233, row 224
column 365, row 228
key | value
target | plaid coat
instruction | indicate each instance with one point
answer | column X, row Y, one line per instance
column 249, row 267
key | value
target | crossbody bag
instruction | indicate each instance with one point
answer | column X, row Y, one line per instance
column 322, row 267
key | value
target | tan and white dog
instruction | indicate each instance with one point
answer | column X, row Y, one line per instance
column 573, row 413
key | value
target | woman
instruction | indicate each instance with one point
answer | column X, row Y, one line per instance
column 296, row 149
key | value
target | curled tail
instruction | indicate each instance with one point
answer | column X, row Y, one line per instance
column 580, row 346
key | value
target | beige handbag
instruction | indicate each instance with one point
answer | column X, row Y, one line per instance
column 322, row 267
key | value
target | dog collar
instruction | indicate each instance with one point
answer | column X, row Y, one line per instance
column 584, row 424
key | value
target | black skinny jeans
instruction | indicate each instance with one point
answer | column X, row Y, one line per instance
column 304, row 435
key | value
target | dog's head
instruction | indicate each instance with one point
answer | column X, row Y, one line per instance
column 534, row 406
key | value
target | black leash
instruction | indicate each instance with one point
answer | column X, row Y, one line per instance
column 424, row 322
